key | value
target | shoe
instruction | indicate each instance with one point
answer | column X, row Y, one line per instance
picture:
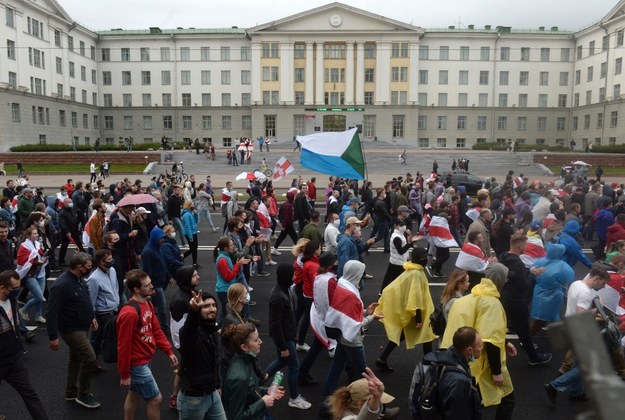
column 541, row 359
column 274, row 236
column 24, row 315
column 71, row 396
column 299, row 403
column 87, row 401
column 383, row 365
column 429, row 271
column 254, row 321
column 100, row 369
column 331, row 352
column 173, row 402
column 271, row 262
column 367, row 276
column 275, row 251
column 306, row 380
column 552, row 393
column 29, row 336
column 252, row 303
column 250, row 289
column 262, row 274
column 215, row 229
column 40, row 319
column 302, row 347
column 535, row 345
column 390, row 413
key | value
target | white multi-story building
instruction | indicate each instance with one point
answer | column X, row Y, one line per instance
column 325, row 69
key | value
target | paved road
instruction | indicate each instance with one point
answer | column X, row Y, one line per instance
column 47, row 368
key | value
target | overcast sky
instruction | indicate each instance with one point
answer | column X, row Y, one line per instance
column 525, row 14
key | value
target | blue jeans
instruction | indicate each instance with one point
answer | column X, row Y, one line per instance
column 142, row 382
column 570, row 382
column 206, row 407
column 311, row 355
column 293, row 364
column 179, row 230
column 207, row 214
column 355, row 356
column 36, row 286
column 160, row 304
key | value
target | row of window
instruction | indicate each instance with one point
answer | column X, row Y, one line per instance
column 482, row 101
column 484, row 77
column 186, row 120
column 184, row 54
column 463, row 53
column 41, row 115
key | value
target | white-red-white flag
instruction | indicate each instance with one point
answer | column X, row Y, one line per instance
column 534, row 250
column 440, row 233
column 282, row 168
column 471, row 258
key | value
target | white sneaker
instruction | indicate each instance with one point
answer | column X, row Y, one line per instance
column 24, row 315
column 275, row 251
column 271, row 262
column 302, row 347
column 300, row 403
column 331, row 352
column 40, row 319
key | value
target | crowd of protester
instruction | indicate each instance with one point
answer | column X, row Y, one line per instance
column 518, row 243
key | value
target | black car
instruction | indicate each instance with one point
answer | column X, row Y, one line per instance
column 472, row 183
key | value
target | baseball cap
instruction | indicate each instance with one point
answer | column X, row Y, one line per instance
column 359, row 391
column 403, row 208
column 352, row 221
column 142, row 210
column 535, row 225
column 354, row 200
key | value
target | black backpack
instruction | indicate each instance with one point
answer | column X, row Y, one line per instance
column 438, row 322
column 109, row 334
column 423, row 395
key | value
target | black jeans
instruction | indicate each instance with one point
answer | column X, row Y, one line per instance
column 192, row 249
column 304, row 321
column 95, row 337
column 286, row 230
column 65, row 244
column 518, row 316
column 442, row 255
column 16, row 375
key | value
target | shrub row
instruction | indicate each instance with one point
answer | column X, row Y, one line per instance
column 521, row 147
column 85, row 148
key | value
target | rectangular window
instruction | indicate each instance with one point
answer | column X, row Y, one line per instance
column 126, row 78
column 617, row 91
column 503, row 78
column 423, row 98
column 11, row 51
column 225, row 53
column 482, row 99
column 424, row 142
column 94, row 76
column 72, row 69
column 579, row 52
column 145, row 54
column 601, row 94
column 127, row 99
column 442, row 77
column 299, row 75
column 483, row 77
column 106, row 54
column 82, row 48
column 485, row 53
column 564, row 54
column 166, row 98
column 225, row 77
column 502, row 123
column 463, row 77
column 9, row 17
column 603, row 70
column 207, row 122
column 588, row 97
column 589, row 74
column 524, row 78
column 15, row 112
column 619, row 37
column 504, row 54
column 370, row 75
column 591, row 48
column 525, row 54
column 205, row 53
column 399, row 49
column 108, row 99
column 461, row 143
column 36, row 58
column 246, row 77
column 543, row 78
column 167, row 122
column 600, row 120
column 398, row 126
column 186, row 99
column 165, row 77
column 521, row 123
column 59, row 65
column 424, row 52
column 185, row 77
column 206, row 99
column 226, row 99
column 463, row 99
column 187, row 122
column 246, row 54
column 370, row 50
column 128, row 122
column 441, row 122
column 443, row 53
column 562, row 98
column 299, row 50
column 146, row 99
column 587, row 122
column 72, row 93
column 613, row 119
column 441, row 142
column 299, row 98
column 542, row 100
column 108, row 122
column 564, row 78
column 503, row 100
column 246, row 122
column 226, row 122
column 185, row 54
column 35, row 28
column 369, row 98
column 206, row 77
column 398, row 97
column 618, row 66
column 544, row 54
column 165, row 54
column 605, row 43
column 13, row 82
column 542, row 124
column 147, row 122
column 574, row 123
column 269, row 49
column 146, row 78
column 125, row 54
column 561, row 124
column 464, row 53
column 270, row 126
column 481, row 123
column 62, row 118
column 422, row 123
column 442, row 99
column 462, row 122
column 368, row 126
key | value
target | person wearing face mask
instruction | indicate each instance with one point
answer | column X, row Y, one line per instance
column 12, row 359
column 350, row 245
column 70, row 316
column 331, row 233
column 400, row 245
column 104, row 293
column 69, row 230
column 171, row 251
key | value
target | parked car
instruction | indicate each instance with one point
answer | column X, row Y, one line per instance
column 471, row 182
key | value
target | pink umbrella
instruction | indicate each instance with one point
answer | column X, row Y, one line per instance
column 136, row 199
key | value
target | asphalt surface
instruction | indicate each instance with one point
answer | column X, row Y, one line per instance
column 48, row 368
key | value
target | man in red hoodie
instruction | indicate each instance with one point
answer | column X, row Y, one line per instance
column 616, row 231
column 137, row 340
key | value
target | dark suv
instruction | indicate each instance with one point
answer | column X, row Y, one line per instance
column 471, row 182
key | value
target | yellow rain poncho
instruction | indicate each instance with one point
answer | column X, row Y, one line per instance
column 399, row 303
column 483, row 311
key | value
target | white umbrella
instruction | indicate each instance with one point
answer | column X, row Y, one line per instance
column 581, row 163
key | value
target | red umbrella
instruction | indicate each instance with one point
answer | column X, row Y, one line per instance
column 136, row 199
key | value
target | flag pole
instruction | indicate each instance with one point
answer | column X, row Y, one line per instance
column 362, row 149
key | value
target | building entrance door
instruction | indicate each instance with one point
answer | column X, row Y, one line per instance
column 334, row 122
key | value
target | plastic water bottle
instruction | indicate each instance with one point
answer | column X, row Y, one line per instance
column 275, row 384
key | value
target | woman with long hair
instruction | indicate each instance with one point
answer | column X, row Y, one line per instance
column 31, row 262
column 227, row 272
column 241, row 394
column 310, row 259
column 457, row 285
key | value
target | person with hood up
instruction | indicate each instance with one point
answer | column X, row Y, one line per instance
column 171, row 251
column 54, row 228
column 573, row 251
column 407, row 305
column 154, row 265
column 282, row 329
column 603, row 219
column 482, row 310
column 189, row 224
column 348, row 314
column 200, row 393
column 187, row 280
column 550, row 287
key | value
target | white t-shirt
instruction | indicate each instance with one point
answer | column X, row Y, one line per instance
column 579, row 295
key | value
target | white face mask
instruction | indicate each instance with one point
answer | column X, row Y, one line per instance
column 402, row 229
column 172, row 235
column 336, row 222
column 357, row 229
column 42, row 223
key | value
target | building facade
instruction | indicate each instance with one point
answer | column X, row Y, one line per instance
column 326, row 69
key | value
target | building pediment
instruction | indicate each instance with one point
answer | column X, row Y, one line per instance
column 334, row 17
column 617, row 12
column 54, row 8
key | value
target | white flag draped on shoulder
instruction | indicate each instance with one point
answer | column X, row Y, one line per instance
column 440, row 233
column 282, row 168
column 471, row 258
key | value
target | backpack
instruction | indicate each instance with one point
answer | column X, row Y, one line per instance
column 438, row 322
column 109, row 334
column 224, row 209
column 424, row 390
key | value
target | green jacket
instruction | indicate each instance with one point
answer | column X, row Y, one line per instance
column 311, row 231
column 241, row 395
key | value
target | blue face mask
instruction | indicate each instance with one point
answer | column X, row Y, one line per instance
column 471, row 358
column 13, row 294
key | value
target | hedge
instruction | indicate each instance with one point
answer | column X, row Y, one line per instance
column 521, row 147
column 609, row 149
column 84, row 148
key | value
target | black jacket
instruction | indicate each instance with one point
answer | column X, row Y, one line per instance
column 7, row 260
column 282, row 326
column 302, row 207
column 516, row 288
column 10, row 344
column 69, row 306
column 200, row 356
column 457, row 395
column 380, row 209
column 68, row 222
column 179, row 303
column 174, row 206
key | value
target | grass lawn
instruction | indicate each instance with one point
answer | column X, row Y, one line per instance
column 72, row 168
column 591, row 171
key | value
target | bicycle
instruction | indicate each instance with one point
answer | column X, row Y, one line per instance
column 264, row 169
column 177, row 176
